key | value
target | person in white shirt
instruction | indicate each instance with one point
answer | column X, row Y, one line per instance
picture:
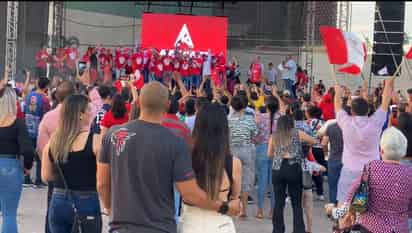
column 271, row 74
column 207, row 65
column 283, row 73
column 292, row 68
column 190, row 111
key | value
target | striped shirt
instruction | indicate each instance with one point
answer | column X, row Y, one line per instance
column 179, row 128
column 242, row 129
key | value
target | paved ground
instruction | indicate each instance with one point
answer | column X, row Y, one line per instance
column 32, row 210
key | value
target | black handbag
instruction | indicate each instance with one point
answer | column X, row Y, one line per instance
column 306, row 176
column 82, row 223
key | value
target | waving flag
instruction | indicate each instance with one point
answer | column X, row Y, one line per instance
column 345, row 49
column 409, row 54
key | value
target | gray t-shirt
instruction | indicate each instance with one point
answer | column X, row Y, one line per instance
column 334, row 133
column 146, row 159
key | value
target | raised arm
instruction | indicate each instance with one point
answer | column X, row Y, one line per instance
column 387, row 94
column 338, row 98
column 177, row 77
column 26, row 89
column 282, row 105
column 364, row 90
column 306, row 138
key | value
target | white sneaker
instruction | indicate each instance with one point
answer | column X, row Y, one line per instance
column 321, row 198
column 287, row 200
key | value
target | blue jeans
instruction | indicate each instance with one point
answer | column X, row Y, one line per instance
column 159, row 79
column 289, row 86
column 264, row 175
column 146, row 75
column 334, row 168
column 61, row 214
column 187, row 80
column 196, row 79
column 11, row 181
column 177, row 204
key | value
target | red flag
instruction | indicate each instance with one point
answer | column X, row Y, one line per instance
column 409, row 54
column 344, row 49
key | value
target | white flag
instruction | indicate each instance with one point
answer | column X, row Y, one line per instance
column 383, row 71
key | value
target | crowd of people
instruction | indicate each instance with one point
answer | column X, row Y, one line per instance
column 182, row 152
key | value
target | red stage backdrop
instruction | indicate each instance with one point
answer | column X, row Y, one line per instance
column 166, row 31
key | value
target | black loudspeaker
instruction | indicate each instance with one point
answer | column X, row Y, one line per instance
column 388, row 36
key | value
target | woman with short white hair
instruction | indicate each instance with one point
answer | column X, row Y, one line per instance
column 390, row 188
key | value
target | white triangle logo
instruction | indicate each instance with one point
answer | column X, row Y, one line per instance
column 383, row 71
column 184, row 37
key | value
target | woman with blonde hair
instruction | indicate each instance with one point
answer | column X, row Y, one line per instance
column 70, row 162
column 14, row 141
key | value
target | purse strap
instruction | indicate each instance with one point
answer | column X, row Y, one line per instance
column 66, row 187
column 365, row 173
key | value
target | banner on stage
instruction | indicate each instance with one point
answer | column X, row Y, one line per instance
column 185, row 33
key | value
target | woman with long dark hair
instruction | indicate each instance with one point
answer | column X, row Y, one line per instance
column 118, row 114
column 314, row 116
column 217, row 172
column 266, row 123
column 69, row 160
column 285, row 148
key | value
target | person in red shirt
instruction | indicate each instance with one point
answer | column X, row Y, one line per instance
column 58, row 61
column 184, row 72
column 87, row 54
column 256, row 70
column 196, row 70
column 138, row 80
column 72, row 55
column 117, row 115
column 109, row 57
column 302, row 79
column 102, row 58
column 167, row 67
column 42, row 57
column 158, row 69
column 146, row 62
column 221, row 67
column 120, row 62
column 137, row 61
column 172, row 122
column 327, row 105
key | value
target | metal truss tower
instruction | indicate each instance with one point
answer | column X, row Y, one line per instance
column 344, row 13
column 310, row 38
column 56, row 24
column 11, row 38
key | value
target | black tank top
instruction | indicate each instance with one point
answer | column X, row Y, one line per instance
column 79, row 170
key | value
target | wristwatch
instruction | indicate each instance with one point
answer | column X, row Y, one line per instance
column 224, row 208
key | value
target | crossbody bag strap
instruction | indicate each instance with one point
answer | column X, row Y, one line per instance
column 68, row 192
column 365, row 173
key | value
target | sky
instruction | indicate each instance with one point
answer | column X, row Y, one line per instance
column 363, row 14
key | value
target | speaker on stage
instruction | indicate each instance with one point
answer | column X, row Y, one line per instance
column 388, row 36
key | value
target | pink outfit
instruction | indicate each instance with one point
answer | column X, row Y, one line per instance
column 50, row 121
column 390, row 198
column 47, row 127
column 361, row 135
